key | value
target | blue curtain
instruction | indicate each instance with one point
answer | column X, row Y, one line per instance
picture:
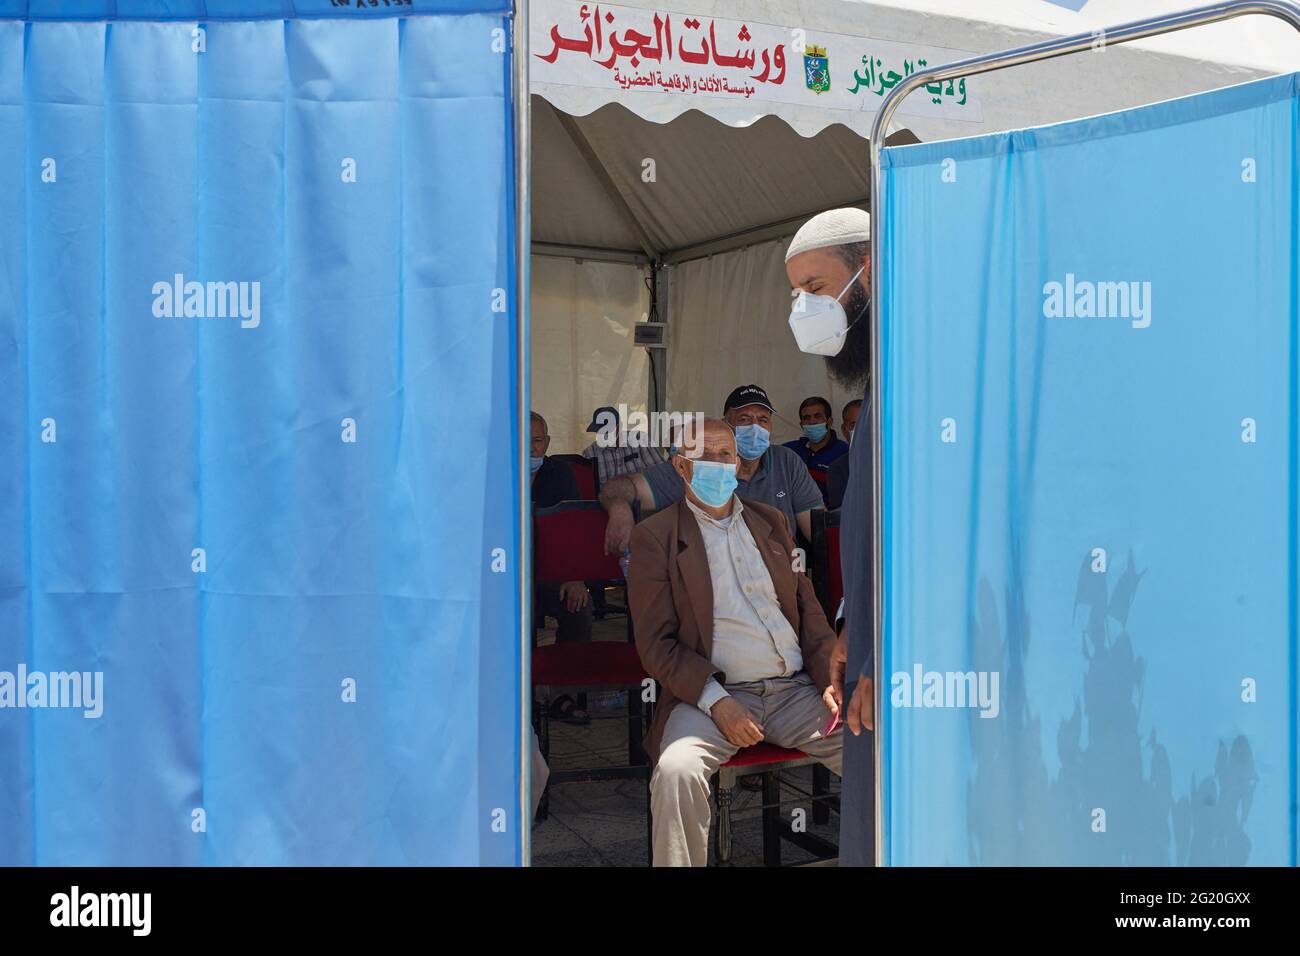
column 1090, row 401
column 257, row 414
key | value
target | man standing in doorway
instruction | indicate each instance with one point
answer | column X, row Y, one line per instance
column 829, row 267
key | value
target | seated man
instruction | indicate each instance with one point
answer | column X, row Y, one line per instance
column 616, row 452
column 819, row 446
column 734, row 636
column 553, row 481
column 771, row 474
column 837, row 476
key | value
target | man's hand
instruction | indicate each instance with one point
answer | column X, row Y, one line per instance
column 736, row 722
column 618, row 532
column 839, row 661
column 832, row 699
column 862, row 708
column 574, row 595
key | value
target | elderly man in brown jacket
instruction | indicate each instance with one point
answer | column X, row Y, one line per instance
column 734, row 636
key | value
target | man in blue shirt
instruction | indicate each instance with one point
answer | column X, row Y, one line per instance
column 819, row 445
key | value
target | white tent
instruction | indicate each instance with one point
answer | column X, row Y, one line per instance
column 667, row 157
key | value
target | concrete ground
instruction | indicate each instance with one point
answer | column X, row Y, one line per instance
column 603, row 823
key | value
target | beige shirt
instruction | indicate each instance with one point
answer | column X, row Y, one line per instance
column 752, row 639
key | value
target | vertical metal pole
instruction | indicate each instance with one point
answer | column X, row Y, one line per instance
column 662, row 277
column 523, row 229
column 877, row 499
column 1047, row 49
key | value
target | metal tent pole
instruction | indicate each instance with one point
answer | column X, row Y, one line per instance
column 1047, row 49
column 523, row 559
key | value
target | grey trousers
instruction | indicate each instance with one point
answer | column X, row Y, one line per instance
column 791, row 713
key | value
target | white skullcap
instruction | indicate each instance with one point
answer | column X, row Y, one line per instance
column 835, row 227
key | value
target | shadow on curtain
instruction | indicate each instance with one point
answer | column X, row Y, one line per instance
column 1090, row 375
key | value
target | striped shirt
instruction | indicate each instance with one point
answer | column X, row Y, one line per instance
column 622, row 459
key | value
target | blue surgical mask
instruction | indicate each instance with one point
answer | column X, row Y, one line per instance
column 713, row 482
column 815, row 433
column 535, row 463
column 751, row 441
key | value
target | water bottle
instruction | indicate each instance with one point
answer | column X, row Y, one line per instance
column 624, row 561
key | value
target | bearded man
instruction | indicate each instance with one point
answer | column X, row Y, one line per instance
column 829, row 264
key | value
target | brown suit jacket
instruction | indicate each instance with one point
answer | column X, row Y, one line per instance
column 670, row 593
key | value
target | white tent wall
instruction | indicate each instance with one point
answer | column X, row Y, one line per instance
column 582, row 352
column 729, row 327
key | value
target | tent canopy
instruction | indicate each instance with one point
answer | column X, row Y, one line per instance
column 838, row 58
column 718, row 166
column 612, row 181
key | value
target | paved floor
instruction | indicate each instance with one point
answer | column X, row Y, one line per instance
column 603, row 823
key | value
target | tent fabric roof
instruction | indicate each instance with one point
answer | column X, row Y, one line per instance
column 709, row 180
column 721, row 174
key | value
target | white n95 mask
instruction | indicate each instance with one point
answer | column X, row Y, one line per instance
column 818, row 321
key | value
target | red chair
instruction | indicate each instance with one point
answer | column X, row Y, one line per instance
column 822, row 477
column 584, row 469
column 588, row 477
column 828, row 578
column 769, row 761
column 569, row 545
